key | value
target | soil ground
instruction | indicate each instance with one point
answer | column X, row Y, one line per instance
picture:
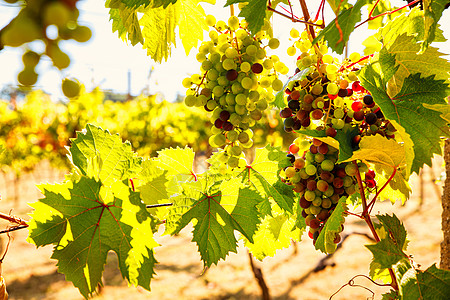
column 31, row 274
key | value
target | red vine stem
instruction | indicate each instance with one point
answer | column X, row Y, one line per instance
column 352, row 64
column 373, row 8
column 368, row 221
column 382, row 188
column 370, row 18
column 341, row 34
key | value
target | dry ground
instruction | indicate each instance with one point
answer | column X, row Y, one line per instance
column 31, row 274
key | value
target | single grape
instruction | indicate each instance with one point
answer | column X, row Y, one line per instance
column 316, row 114
column 357, row 106
column 257, row 68
column 359, row 115
column 310, row 170
column 274, row 43
column 350, row 170
column 371, row 118
column 322, row 185
column 327, row 165
column 368, row 100
column 70, row 88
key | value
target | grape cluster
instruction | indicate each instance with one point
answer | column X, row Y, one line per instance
column 320, row 182
column 330, row 96
column 36, row 21
column 236, row 82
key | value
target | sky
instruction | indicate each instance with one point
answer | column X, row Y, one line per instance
column 106, row 60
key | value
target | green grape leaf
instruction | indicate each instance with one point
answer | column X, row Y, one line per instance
column 99, row 154
column 433, row 11
column 144, row 3
column 389, row 250
column 275, row 232
column 444, row 109
column 88, row 220
column 423, row 126
column 125, row 22
column 387, row 156
column 392, row 295
column 410, row 23
column 279, row 97
column 254, row 13
column 346, row 21
column 325, row 240
column 135, row 3
column 263, row 175
column 433, row 283
column 342, row 140
column 218, row 212
column 404, row 53
column 334, row 4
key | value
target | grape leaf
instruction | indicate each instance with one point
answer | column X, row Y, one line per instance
column 325, row 240
column 387, row 156
column 275, row 232
column 191, row 23
column 410, row 23
column 159, row 26
column 114, row 160
column 145, row 3
column 125, row 22
column 152, row 183
column 95, row 219
column 389, row 250
column 177, row 161
column 218, row 212
column 279, row 97
column 135, row 3
column 392, row 295
column 262, row 174
column 347, row 20
column 254, row 13
column 403, row 52
column 424, row 126
column 433, row 283
column 433, row 11
column 335, row 3
column 342, row 140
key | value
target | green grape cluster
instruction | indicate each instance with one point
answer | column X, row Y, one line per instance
column 329, row 96
column 32, row 23
column 236, row 82
column 320, row 182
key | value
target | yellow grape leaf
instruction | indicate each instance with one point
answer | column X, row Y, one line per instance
column 387, row 156
column 191, row 23
column 159, row 27
column 159, row 31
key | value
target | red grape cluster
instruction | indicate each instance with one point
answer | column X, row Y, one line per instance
column 320, row 182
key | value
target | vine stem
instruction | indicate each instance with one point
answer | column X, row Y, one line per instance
column 13, row 219
column 295, row 20
column 307, row 18
column 370, row 18
column 366, row 217
column 371, row 204
column 352, row 64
